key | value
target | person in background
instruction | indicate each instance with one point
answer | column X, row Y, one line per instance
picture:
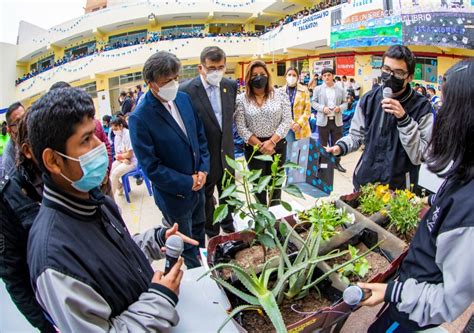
column 14, row 114
column 395, row 130
column 375, row 83
column 125, row 160
column 138, row 93
column 263, row 119
column 338, row 82
column 20, row 199
column 107, row 287
column 421, row 90
column 106, row 124
column 348, row 114
column 125, row 103
column 213, row 98
column 346, row 84
column 300, row 109
column 435, row 100
column 313, row 83
column 356, row 87
column 329, row 100
column 175, row 157
column 131, row 96
column 435, row 282
column 4, row 137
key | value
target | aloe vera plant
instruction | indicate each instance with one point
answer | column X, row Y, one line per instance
column 293, row 279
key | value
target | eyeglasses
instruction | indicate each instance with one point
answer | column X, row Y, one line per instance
column 398, row 73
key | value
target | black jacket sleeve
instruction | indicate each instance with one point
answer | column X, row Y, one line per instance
column 14, row 269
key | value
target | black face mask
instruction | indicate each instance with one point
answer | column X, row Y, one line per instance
column 259, row 82
column 392, row 82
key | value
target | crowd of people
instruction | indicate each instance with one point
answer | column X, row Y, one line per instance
column 321, row 5
column 157, row 37
column 69, row 262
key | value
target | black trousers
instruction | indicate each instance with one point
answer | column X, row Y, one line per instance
column 228, row 223
column 330, row 131
column 255, row 164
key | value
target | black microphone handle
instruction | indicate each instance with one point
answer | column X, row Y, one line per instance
column 169, row 263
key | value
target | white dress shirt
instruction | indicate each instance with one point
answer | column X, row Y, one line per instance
column 331, row 96
column 173, row 110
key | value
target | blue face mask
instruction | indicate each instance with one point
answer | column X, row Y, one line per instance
column 94, row 168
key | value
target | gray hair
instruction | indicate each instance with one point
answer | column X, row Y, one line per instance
column 213, row 53
column 161, row 64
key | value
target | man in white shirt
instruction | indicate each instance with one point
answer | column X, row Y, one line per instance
column 356, row 88
column 329, row 100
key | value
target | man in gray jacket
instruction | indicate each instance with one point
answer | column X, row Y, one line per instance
column 329, row 100
column 395, row 129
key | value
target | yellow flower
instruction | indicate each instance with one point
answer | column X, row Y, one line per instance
column 410, row 194
column 386, row 198
column 380, row 190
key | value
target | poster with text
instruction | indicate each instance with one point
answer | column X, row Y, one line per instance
column 345, row 66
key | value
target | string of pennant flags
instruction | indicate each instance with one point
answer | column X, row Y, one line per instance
column 233, row 5
column 68, row 68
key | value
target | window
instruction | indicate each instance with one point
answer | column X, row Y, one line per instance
column 426, row 69
column 222, row 28
column 131, row 77
column 90, row 88
column 188, row 28
column 281, row 68
column 188, row 72
column 80, row 50
column 128, row 37
column 259, row 27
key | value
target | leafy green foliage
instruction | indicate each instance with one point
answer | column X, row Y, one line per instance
column 359, row 267
column 331, row 218
column 373, row 198
column 404, row 211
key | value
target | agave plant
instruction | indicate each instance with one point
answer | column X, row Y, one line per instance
column 293, row 279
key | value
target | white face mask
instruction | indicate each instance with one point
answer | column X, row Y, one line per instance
column 214, row 77
column 117, row 132
column 169, row 91
column 291, row 80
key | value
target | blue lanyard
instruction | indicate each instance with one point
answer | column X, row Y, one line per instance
column 292, row 95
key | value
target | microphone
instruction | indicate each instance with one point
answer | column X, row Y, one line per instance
column 353, row 295
column 174, row 247
column 386, row 93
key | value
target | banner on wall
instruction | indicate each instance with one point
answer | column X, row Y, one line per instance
column 319, row 65
column 361, row 10
column 345, row 66
column 363, row 23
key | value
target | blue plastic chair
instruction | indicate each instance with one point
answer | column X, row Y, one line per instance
column 126, row 184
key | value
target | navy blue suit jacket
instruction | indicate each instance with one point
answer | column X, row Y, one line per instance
column 167, row 156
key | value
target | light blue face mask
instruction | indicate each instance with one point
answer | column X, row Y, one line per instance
column 94, row 168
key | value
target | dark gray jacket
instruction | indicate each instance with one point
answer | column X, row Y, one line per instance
column 219, row 141
column 436, row 282
column 393, row 147
column 89, row 274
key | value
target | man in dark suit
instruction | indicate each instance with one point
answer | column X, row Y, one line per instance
column 169, row 141
column 213, row 98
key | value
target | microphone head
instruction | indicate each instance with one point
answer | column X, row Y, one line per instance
column 387, row 92
column 174, row 246
column 353, row 295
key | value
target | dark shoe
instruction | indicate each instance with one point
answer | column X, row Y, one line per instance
column 340, row 168
column 139, row 181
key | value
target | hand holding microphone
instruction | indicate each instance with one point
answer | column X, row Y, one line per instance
column 391, row 105
column 366, row 294
column 173, row 274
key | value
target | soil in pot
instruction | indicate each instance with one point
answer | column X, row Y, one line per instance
column 292, row 310
column 377, row 262
column 258, row 322
column 249, row 258
column 407, row 238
